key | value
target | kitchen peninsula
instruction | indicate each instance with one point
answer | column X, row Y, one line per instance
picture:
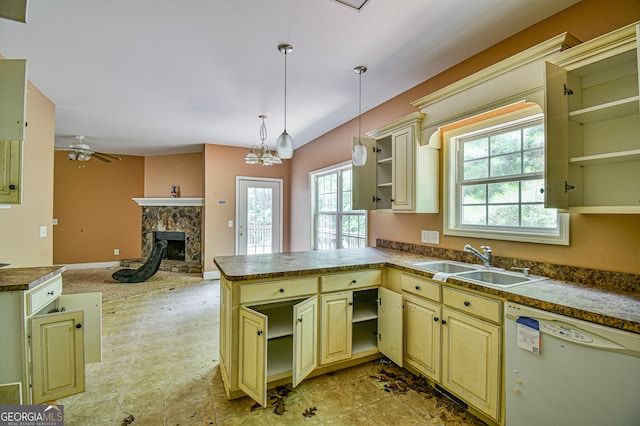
column 291, row 315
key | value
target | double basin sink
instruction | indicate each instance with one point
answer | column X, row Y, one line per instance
column 488, row 276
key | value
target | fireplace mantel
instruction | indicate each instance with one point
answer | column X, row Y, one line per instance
column 168, row 201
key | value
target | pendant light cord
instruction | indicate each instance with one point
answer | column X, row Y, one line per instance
column 285, row 91
column 359, row 108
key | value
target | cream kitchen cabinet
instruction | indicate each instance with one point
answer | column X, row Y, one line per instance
column 46, row 340
column 276, row 340
column 13, row 85
column 472, row 349
column 401, row 174
column 592, row 124
column 422, row 329
column 361, row 323
column 278, row 331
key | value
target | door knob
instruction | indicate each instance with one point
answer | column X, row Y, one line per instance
column 78, row 325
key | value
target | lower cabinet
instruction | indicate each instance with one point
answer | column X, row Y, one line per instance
column 358, row 323
column 455, row 339
column 46, row 340
column 276, row 340
column 471, row 349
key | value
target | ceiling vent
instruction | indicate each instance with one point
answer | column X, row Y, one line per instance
column 355, row 4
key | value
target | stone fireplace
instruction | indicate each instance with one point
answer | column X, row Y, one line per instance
column 179, row 221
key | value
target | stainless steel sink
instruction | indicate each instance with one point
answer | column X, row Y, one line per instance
column 500, row 279
column 448, row 267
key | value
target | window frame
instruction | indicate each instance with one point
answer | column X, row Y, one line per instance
column 452, row 204
column 313, row 178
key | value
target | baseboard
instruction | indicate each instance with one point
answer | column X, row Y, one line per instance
column 211, row 275
column 91, row 265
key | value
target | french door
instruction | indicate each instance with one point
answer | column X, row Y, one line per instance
column 258, row 215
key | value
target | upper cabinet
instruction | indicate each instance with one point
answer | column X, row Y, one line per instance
column 15, row 10
column 592, row 124
column 13, row 92
column 401, row 174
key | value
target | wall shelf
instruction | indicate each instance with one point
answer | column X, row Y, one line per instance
column 143, row 202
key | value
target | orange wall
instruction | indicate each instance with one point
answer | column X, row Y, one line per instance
column 20, row 244
column 164, row 171
column 608, row 242
column 95, row 211
column 222, row 164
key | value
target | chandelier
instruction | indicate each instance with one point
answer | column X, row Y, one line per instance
column 262, row 155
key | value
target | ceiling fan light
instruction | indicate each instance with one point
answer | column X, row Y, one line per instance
column 284, row 146
column 73, row 155
column 359, row 155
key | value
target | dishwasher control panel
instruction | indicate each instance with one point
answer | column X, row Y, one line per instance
column 565, row 332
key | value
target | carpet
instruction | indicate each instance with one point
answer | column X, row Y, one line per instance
column 91, row 280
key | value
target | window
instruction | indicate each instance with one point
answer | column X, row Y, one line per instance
column 495, row 181
column 335, row 225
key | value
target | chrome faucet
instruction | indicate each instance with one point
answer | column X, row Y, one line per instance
column 485, row 256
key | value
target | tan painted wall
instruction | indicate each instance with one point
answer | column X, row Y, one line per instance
column 221, row 166
column 20, row 242
column 95, row 211
column 608, row 242
column 164, row 171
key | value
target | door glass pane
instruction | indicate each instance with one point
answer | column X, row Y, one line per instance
column 259, row 220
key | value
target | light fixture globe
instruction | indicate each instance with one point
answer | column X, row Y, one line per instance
column 284, row 145
column 359, row 155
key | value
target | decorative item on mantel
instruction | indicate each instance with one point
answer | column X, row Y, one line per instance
column 174, row 191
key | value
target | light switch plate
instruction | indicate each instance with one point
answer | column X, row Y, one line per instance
column 43, row 231
column 434, row 237
column 424, row 236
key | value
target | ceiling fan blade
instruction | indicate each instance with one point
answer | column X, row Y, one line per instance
column 113, row 157
column 100, row 157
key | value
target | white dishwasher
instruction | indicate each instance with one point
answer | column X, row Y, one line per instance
column 564, row 371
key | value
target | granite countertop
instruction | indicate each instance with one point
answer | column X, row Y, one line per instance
column 21, row 279
column 614, row 309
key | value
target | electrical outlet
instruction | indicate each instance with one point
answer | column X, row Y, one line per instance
column 434, row 237
column 424, row 236
column 43, row 231
column 116, row 252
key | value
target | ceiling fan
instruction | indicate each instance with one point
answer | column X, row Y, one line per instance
column 80, row 151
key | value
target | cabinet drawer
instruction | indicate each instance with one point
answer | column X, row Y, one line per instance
column 43, row 295
column 351, row 280
column 421, row 287
column 470, row 303
column 275, row 290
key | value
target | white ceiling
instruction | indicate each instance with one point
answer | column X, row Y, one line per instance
column 150, row 77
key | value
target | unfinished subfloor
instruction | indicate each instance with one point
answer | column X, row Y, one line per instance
column 160, row 365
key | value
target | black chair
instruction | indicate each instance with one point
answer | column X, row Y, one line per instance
column 147, row 270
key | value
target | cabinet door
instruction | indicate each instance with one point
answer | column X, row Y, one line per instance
column 556, row 125
column 390, row 325
column 91, row 304
column 225, row 328
column 16, row 10
column 252, row 354
column 305, row 339
column 57, row 346
column 422, row 336
column 336, row 329
column 13, row 86
column 471, row 360
column 363, row 178
column 402, row 170
column 10, row 162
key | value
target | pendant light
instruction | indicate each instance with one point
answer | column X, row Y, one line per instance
column 263, row 154
column 284, row 145
column 359, row 154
